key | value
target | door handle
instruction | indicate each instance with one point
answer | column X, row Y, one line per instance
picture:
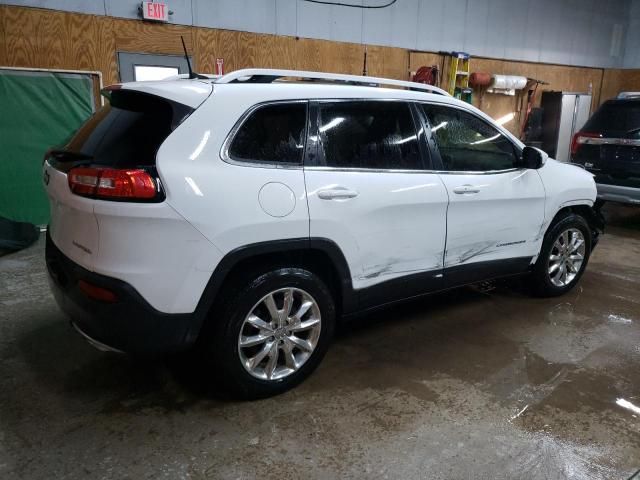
column 337, row 193
column 465, row 189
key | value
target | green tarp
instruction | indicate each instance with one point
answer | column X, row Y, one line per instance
column 38, row 110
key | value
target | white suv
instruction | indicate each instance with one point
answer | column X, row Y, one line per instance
column 244, row 215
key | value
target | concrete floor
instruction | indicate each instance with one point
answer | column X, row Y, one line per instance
column 470, row 384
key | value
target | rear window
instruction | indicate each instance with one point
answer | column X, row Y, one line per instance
column 128, row 131
column 615, row 116
column 272, row 134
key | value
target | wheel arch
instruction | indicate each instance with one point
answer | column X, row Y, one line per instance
column 587, row 210
column 540, row 280
column 319, row 255
column 591, row 213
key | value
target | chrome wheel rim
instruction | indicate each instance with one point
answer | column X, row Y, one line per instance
column 279, row 334
column 566, row 257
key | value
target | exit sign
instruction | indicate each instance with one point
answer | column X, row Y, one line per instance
column 156, row 11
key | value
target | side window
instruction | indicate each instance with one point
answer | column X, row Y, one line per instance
column 468, row 144
column 374, row 134
column 272, row 134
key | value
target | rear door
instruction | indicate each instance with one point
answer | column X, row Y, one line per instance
column 369, row 191
column 496, row 209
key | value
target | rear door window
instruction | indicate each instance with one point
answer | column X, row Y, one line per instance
column 128, row 131
column 368, row 135
column 272, row 134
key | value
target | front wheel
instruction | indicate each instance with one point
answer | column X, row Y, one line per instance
column 271, row 333
column 563, row 258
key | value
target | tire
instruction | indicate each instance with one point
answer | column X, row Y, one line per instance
column 229, row 362
column 544, row 283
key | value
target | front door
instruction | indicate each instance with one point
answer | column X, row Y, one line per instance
column 496, row 209
column 368, row 190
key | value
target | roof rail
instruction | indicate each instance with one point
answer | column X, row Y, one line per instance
column 264, row 75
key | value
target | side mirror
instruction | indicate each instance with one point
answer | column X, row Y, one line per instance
column 533, row 158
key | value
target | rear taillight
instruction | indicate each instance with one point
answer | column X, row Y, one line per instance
column 109, row 183
column 581, row 138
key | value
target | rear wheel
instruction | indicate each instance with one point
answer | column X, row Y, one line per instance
column 563, row 257
column 270, row 333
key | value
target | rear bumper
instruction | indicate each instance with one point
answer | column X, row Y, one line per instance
column 128, row 325
column 617, row 193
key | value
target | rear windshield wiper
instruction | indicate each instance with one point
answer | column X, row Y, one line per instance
column 633, row 130
column 68, row 156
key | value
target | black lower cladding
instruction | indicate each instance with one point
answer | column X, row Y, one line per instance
column 424, row 283
column 130, row 324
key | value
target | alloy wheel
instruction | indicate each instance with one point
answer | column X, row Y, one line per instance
column 566, row 257
column 279, row 334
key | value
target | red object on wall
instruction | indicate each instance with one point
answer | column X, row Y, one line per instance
column 219, row 66
column 428, row 75
column 480, row 79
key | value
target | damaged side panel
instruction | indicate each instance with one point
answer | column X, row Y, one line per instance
column 394, row 226
column 500, row 220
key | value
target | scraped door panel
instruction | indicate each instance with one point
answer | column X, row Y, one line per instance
column 368, row 191
column 393, row 226
column 496, row 208
column 493, row 216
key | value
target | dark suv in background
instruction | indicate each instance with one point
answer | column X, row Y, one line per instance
column 609, row 147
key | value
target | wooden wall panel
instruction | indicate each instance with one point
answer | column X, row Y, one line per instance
column 267, row 51
column 618, row 80
column 211, row 44
column 146, row 37
column 388, row 62
column 3, row 38
column 46, row 39
column 423, row 59
column 242, row 50
column 572, row 79
column 375, row 61
column 31, row 37
column 29, row 42
column 249, row 50
column 105, row 52
column 395, row 63
column 308, row 55
column 611, row 84
column 327, row 56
